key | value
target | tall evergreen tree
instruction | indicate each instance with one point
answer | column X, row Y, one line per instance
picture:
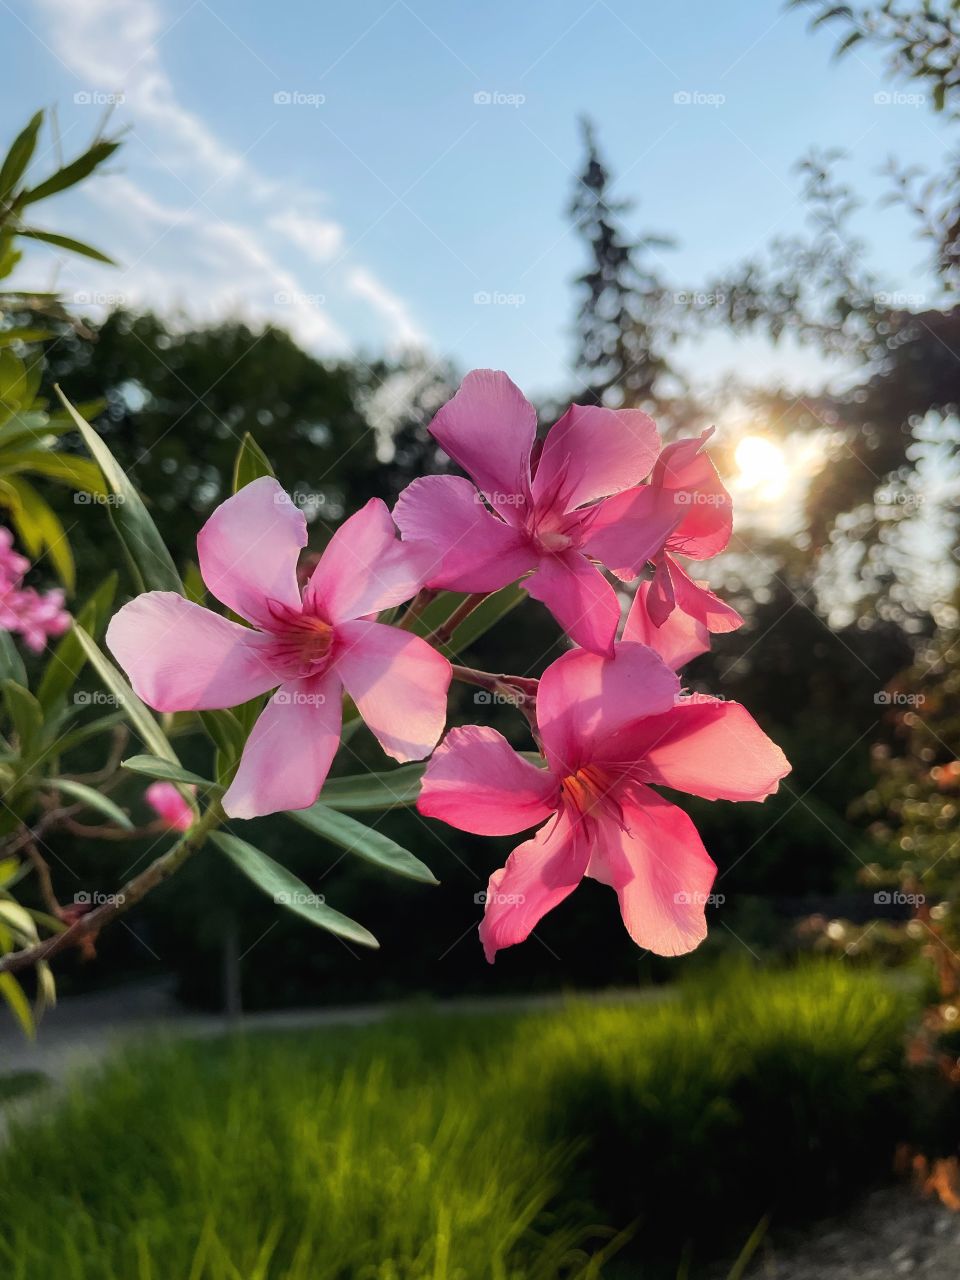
column 621, row 314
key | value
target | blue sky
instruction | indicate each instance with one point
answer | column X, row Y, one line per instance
column 329, row 167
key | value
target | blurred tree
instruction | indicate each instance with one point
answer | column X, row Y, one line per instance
column 621, row 318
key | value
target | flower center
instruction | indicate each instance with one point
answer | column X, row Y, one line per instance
column 302, row 641
column 586, row 789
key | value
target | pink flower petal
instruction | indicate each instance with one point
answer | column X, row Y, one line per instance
column 475, row 550
column 685, row 473
column 182, row 657
column 591, row 452
column 538, row 875
column 399, row 684
column 677, row 641
column 169, row 805
column 288, row 754
column 629, row 529
column 584, row 699
column 579, row 597
column 661, row 872
column 248, row 550
column 365, row 567
column 489, row 429
column 475, row 781
column 699, row 602
column 712, row 749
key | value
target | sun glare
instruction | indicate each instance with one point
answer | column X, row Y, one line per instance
column 762, row 468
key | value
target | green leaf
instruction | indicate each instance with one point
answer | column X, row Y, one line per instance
column 12, row 992
column 143, row 722
column 154, row 767
column 288, row 891
column 13, row 382
column 79, row 473
column 67, row 659
column 93, row 729
column 19, row 156
column 225, row 730
column 72, row 173
column 25, row 713
column 9, row 336
column 11, row 663
column 374, row 790
column 137, row 532
column 40, row 529
column 362, row 840
column 251, row 463
column 66, row 242
column 93, row 799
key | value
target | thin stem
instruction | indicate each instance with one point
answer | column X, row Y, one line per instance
column 88, row 926
column 417, row 605
column 517, row 691
column 443, row 634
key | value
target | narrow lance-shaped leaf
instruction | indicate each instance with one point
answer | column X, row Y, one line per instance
column 135, row 528
column 19, row 156
column 66, row 242
column 362, row 840
column 140, row 718
column 71, row 173
column 251, row 463
column 374, row 790
column 93, row 799
column 288, row 891
column 155, row 767
column 67, row 659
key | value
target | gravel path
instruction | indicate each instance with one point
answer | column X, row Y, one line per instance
column 894, row 1233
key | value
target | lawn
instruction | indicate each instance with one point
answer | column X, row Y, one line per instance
column 597, row 1140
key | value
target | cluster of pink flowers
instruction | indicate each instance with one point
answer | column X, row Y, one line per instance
column 34, row 615
column 612, row 719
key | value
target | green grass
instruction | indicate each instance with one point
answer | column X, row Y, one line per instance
column 481, row 1148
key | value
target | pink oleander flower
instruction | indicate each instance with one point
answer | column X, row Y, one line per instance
column 34, row 615
column 169, row 805
column 313, row 644
column 539, row 509
column 611, row 728
column 684, row 510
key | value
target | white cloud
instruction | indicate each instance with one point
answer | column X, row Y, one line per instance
column 189, row 256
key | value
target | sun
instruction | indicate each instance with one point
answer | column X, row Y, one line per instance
column 762, row 468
